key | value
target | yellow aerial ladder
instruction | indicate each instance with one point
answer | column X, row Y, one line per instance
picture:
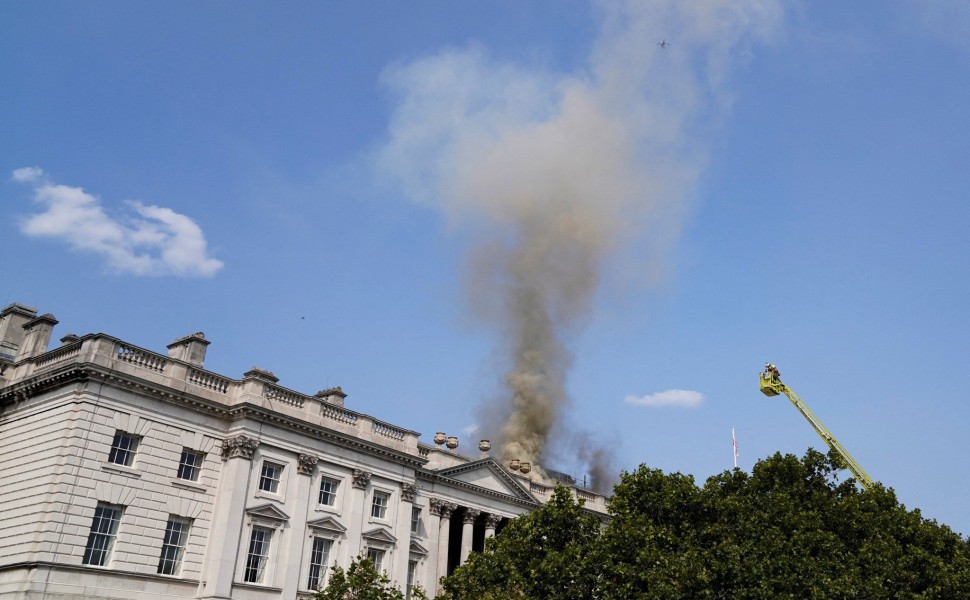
column 771, row 385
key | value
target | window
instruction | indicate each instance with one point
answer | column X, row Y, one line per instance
column 269, row 479
column 378, row 507
column 258, row 554
column 412, row 573
column 376, row 556
column 190, row 464
column 328, row 491
column 415, row 520
column 173, row 546
column 319, row 556
column 123, row 449
column 104, row 527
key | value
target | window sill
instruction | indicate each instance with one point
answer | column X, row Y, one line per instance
column 188, row 485
column 120, row 469
column 257, row 586
column 324, row 508
column 268, row 495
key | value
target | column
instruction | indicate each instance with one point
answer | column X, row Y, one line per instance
column 444, row 524
column 467, row 532
column 491, row 522
column 429, row 580
column 402, row 530
column 306, row 463
column 358, row 513
column 227, row 516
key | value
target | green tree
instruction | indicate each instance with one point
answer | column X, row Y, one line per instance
column 361, row 581
column 546, row 554
column 789, row 529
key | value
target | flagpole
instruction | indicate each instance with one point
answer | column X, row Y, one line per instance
column 734, row 448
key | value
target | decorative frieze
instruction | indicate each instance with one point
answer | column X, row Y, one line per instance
column 408, row 491
column 361, row 478
column 241, row 446
column 306, row 464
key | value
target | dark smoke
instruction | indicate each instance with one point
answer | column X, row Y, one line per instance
column 554, row 172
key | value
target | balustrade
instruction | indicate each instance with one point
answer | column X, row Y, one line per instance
column 338, row 414
column 141, row 358
column 538, row 488
column 208, row 380
column 387, row 430
column 63, row 354
column 272, row 392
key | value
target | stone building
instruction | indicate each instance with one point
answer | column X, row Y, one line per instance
column 126, row 473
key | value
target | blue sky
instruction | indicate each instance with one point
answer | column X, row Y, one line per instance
column 306, row 182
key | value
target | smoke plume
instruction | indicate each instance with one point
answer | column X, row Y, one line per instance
column 552, row 173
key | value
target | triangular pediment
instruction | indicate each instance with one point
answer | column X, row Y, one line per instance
column 327, row 525
column 379, row 535
column 489, row 474
column 268, row 511
column 418, row 549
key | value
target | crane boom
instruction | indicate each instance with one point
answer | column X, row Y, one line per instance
column 771, row 385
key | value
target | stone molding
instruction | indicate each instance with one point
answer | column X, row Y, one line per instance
column 240, row 446
column 361, row 478
column 408, row 491
column 471, row 514
column 306, row 462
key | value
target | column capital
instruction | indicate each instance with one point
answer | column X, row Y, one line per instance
column 240, row 446
column 440, row 508
column 408, row 491
column 471, row 514
column 361, row 478
column 492, row 520
column 306, row 462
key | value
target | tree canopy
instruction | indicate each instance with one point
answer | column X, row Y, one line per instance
column 789, row 529
column 362, row 581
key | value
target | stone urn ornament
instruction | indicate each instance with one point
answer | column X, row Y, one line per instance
column 452, row 443
column 484, row 446
column 525, row 468
column 440, row 437
column 514, row 465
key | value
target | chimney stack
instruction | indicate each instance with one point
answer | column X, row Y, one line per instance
column 12, row 321
column 37, row 333
column 333, row 395
column 190, row 349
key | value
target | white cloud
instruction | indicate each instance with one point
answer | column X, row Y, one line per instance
column 470, row 429
column 677, row 398
column 27, row 174
column 151, row 241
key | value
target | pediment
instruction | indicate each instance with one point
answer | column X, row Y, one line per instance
column 327, row 525
column 418, row 549
column 379, row 535
column 488, row 473
column 267, row 514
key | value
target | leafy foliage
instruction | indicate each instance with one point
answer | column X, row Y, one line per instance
column 790, row 529
column 545, row 554
column 361, row 581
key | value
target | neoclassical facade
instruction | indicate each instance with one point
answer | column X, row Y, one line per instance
column 131, row 474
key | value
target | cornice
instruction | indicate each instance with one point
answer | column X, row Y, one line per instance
column 528, row 500
column 82, row 372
